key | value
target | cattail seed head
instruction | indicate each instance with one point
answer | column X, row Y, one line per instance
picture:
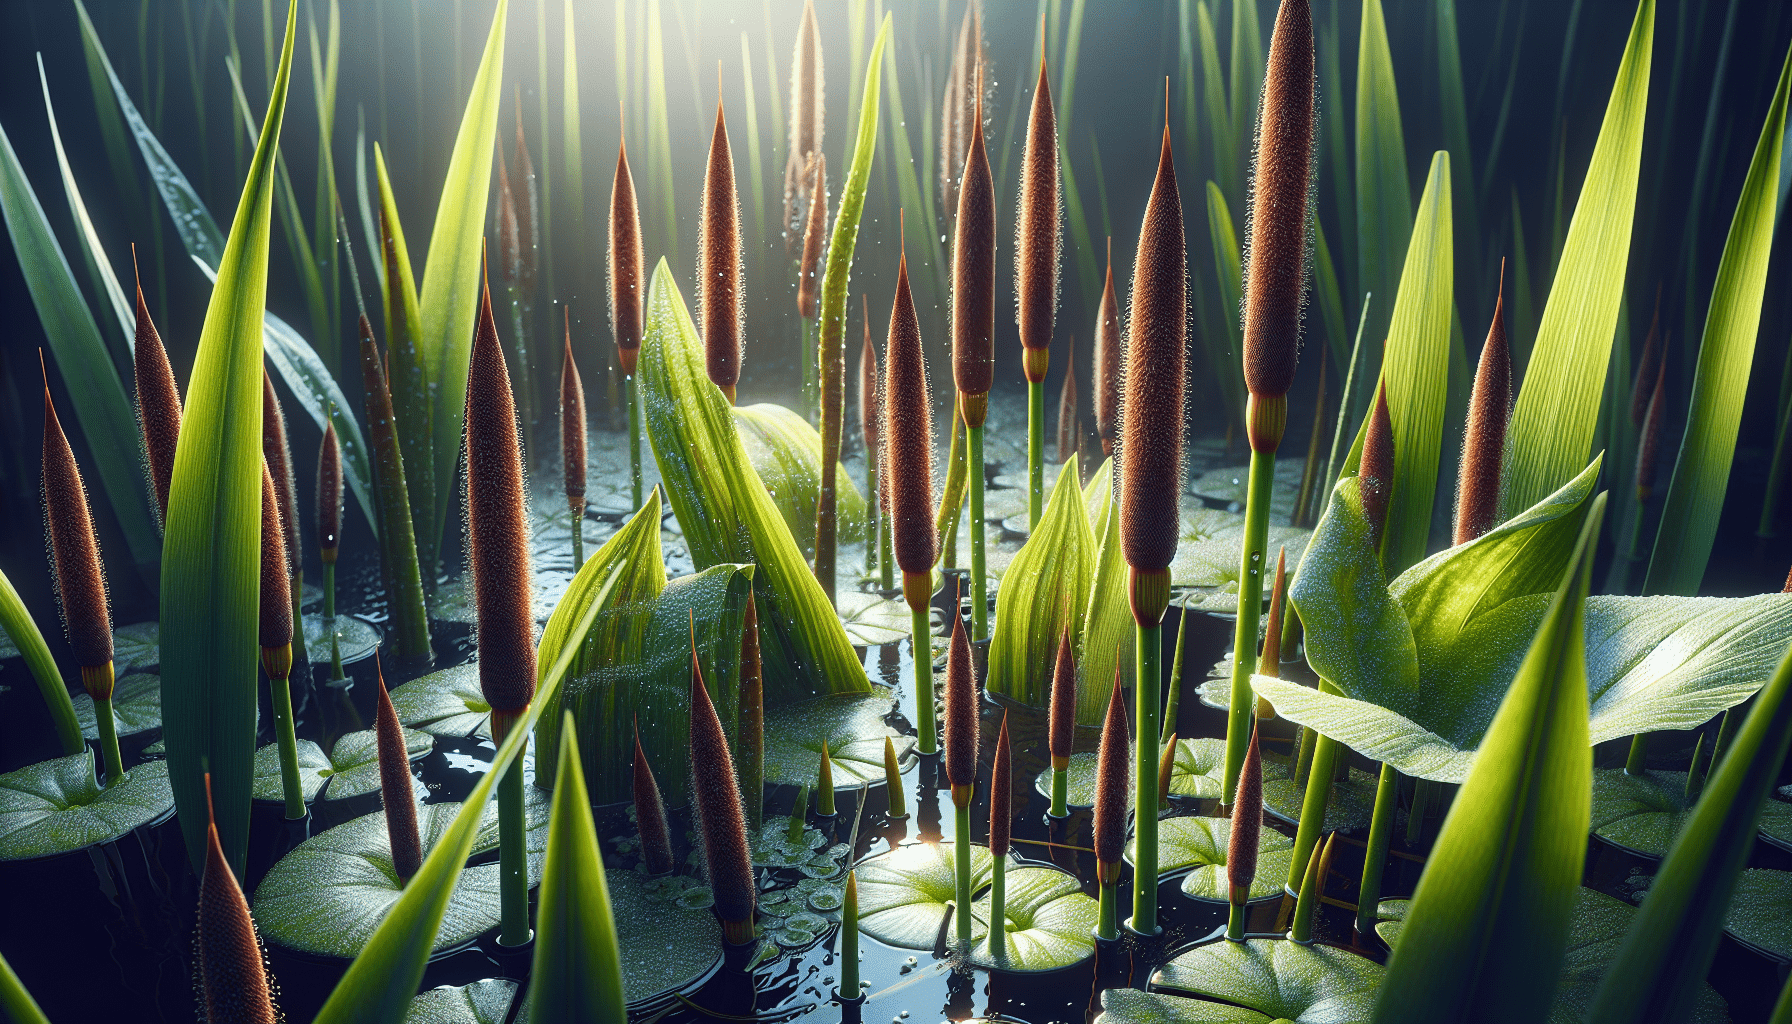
column 907, row 461
column 808, row 281
column 959, row 110
column 279, row 459
column 1787, row 589
column 1107, row 362
column 80, row 576
column 628, row 265
column 1151, row 423
column 961, row 716
column 720, row 302
column 1484, row 439
column 1643, row 387
column 1275, row 281
column 497, row 525
column 1036, row 235
column 870, row 408
column 1376, row 473
column 1270, row 663
column 158, row 403
column 1001, row 794
column 275, row 630
column 1247, row 826
column 716, row 799
column 1068, row 434
column 232, row 980
column 650, row 815
column 1649, row 448
column 807, row 122
column 572, row 424
column 974, row 271
column 396, row 791
column 1112, row 772
column 1063, row 705
column 329, row 494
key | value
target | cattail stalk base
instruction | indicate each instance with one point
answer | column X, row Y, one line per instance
column 513, row 858
column 1060, row 793
column 114, row 762
column 578, row 534
column 280, row 690
column 1035, row 453
column 1253, row 563
column 886, row 562
column 1637, row 759
column 961, row 874
column 920, row 631
column 1313, row 804
column 979, row 559
column 632, row 388
column 1235, row 920
column 1148, row 691
column 998, row 911
column 1108, row 928
column 336, row 673
column 1375, row 855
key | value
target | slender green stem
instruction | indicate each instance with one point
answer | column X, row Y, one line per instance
column 1375, row 856
column 1173, row 703
column 921, row 630
column 1252, row 563
column 1303, row 758
column 1726, row 731
column 810, row 354
column 961, row 873
column 886, row 564
column 1421, row 804
column 998, row 910
column 634, row 438
column 1035, row 453
column 1148, row 690
column 109, row 755
column 874, row 520
column 330, row 621
column 1060, row 793
column 849, row 944
column 1235, row 922
column 289, row 748
column 979, row 579
column 578, row 537
column 1307, row 904
column 1312, row 808
column 513, row 859
column 329, row 590
column 1109, row 928
column 1637, row 759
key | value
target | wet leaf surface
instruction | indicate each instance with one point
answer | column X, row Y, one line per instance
column 1278, row 978
column 482, row 1002
column 446, row 703
column 136, row 646
column 1198, row 846
column 1643, row 813
column 1051, row 923
column 1194, row 774
column 903, row 894
column 57, row 806
column 350, row 770
column 871, row 620
column 136, row 706
column 852, row 727
column 355, row 639
column 1760, row 912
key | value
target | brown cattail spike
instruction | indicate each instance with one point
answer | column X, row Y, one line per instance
column 1112, row 772
column 1376, row 473
column 807, row 121
column 1068, row 434
column 650, row 815
column 1063, row 705
column 1270, row 663
column 628, row 265
column 158, row 402
column 720, row 309
column 329, row 494
column 1649, row 448
column 279, row 458
column 1484, row 438
column 75, row 557
column 572, row 424
column 716, row 799
column 497, row 528
column 1643, row 387
column 808, row 281
column 974, row 275
column 1001, row 794
column 396, row 787
column 1276, row 274
column 907, row 461
column 870, row 408
column 275, row 632
column 232, row 979
column 1787, row 589
column 1036, row 235
column 961, row 716
column 1107, row 362
column 1247, row 826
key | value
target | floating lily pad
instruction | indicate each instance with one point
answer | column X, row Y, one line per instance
column 1198, row 846
column 903, row 894
column 1228, row 485
column 1760, row 912
column 355, row 640
column 328, row 895
column 136, row 646
column 1194, row 774
column 57, row 806
column 1351, row 806
column 351, row 769
column 446, row 703
column 1207, row 557
column 1051, row 923
column 482, row 1002
column 1130, row 1006
column 1643, row 813
column 668, row 944
column 871, row 620
column 136, row 706
column 1278, row 978
column 852, row 726
column 1390, row 919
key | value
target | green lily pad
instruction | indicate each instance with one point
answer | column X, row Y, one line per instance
column 355, row 640
column 350, row 770
column 1643, row 813
column 327, row 896
column 57, row 806
column 903, row 894
column 1229, row 484
column 1278, row 978
column 1760, row 912
column 1051, row 923
column 1207, row 557
column 482, row 1002
column 1130, row 1006
column 871, row 620
column 853, row 728
column 1198, row 846
column 669, row 943
column 136, row 706
column 136, row 646
column 1194, row 774
column 1351, row 806
column 446, row 703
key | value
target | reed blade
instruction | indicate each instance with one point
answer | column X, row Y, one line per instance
column 1383, row 190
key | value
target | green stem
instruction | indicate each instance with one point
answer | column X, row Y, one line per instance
column 979, row 581
column 329, row 590
column 809, row 355
column 886, row 564
column 1173, row 703
column 849, row 945
column 1250, row 608
column 920, row 631
column 1312, row 808
column 1637, row 759
column 578, row 537
column 513, row 859
column 1303, row 758
column 1375, row 856
column 330, row 621
column 114, row 762
column 289, row 748
column 874, row 520
column 1148, row 690
column 1235, row 922
column 1060, row 793
column 634, row 438
column 1421, row 804
column 1109, row 928
column 1035, row 453
column 962, row 873
column 998, row 909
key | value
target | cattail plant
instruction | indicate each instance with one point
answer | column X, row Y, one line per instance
column 510, row 272
column 973, row 339
column 650, row 815
column 1062, row 725
column 158, row 402
column 799, row 815
column 960, row 111
column 329, row 532
column 1241, row 844
column 628, row 281
column 961, row 761
column 1150, row 482
column 807, row 123
column 907, row 462
column 1069, row 436
column 898, row 800
column 278, row 453
column 1376, row 471
column 1166, row 767
column 396, row 792
column 1269, row 663
column 572, row 442
column 716, row 801
column 398, row 542
column 751, row 728
column 1036, row 242
column 1110, row 812
column 80, row 579
column 721, row 304
column 498, row 558
column 1001, row 829
column 227, row 962
column 870, row 413
column 850, row 986
column 1312, row 891
column 1484, row 438
column 808, row 277
column 824, row 785
column 275, row 634
column 1275, row 284
column 1107, row 362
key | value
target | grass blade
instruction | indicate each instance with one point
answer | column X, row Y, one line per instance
column 409, row 381
column 1383, row 190
column 755, row 157
column 92, row 252
column 1219, row 114
column 17, row 1002
column 1454, row 108
column 364, row 203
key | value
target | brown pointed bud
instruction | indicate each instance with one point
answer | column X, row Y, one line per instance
column 961, row 716
column 1247, row 826
column 572, row 423
column 1787, row 589
column 751, row 728
column 329, row 494
column 1484, row 436
column 1001, row 794
column 1166, row 767
column 716, row 801
column 1068, row 434
column 279, row 458
column 528, row 211
column 1275, row 282
column 233, row 982
column 80, row 576
column 497, row 525
column 870, row 408
column 1036, row 231
column 396, row 791
column 158, row 403
column 807, row 122
column 720, row 302
column 958, row 111
column 907, row 461
column 275, row 630
column 1270, row 663
column 1113, row 770
column 808, row 280
column 1649, row 448
column 650, row 815
column 1646, row 365
column 510, row 246
column 974, row 270
column 1151, row 424
column 628, row 265
column 1376, row 473
column 1062, row 719
column 1107, row 362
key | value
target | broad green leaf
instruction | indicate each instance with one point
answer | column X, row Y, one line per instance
column 1557, row 414
column 211, row 557
column 137, row 646
column 136, row 707
column 1207, row 555
column 853, row 728
column 1131, row 1006
column 57, row 806
column 1280, row 979
column 1050, row 923
column 1688, row 527
column 786, row 453
column 871, row 620
column 21, row 629
column 1760, row 914
column 1106, row 649
column 1045, row 593
column 446, row 703
column 350, row 769
column 1350, row 804
column 1643, row 813
column 669, row 940
column 903, row 894
column 482, row 1002
column 1198, row 846
column 1383, row 190
column 1491, row 916
column 412, row 414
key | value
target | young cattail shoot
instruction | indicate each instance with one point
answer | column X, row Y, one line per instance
column 1062, row 725
column 1001, row 825
column 1241, row 844
column 898, row 800
column 329, row 531
column 1036, row 243
column 752, row 720
column 1269, row 663
column 1312, row 890
column 227, row 963
column 870, row 417
column 158, row 402
column 80, row 580
column 808, row 279
column 1484, row 439
column 716, row 802
column 1376, row 473
column 961, row 761
column 628, row 281
column 907, row 463
column 278, row 453
column 721, row 311
column 1107, row 362
column 398, row 543
column 275, row 635
column 572, row 442
column 824, row 785
column 1110, row 811
column 1375, row 848
column 799, row 814
column 396, row 786
column 1151, row 480
column 850, row 987
column 1166, row 767
column 1275, row 284
column 498, row 558
column 973, row 338
column 650, row 815
column 1069, row 433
